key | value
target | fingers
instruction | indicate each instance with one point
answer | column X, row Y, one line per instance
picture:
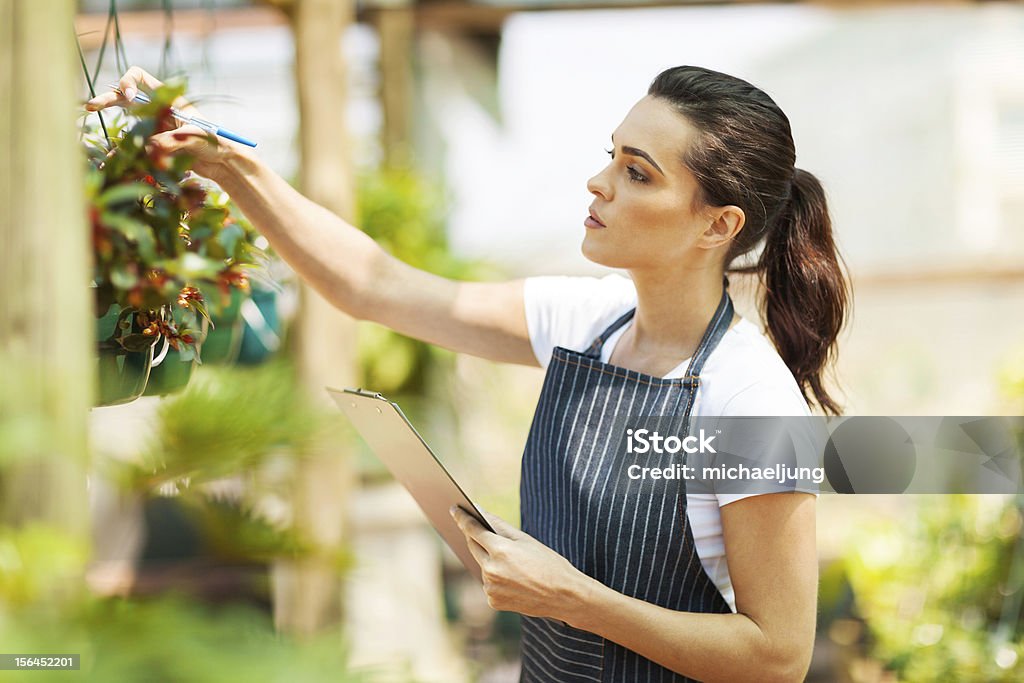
column 473, row 529
column 133, row 78
column 188, row 139
column 104, row 100
column 129, row 84
column 478, row 552
column 501, row 526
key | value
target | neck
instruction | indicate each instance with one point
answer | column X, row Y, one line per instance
column 674, row 307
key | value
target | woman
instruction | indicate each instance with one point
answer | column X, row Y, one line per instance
column 618, row 583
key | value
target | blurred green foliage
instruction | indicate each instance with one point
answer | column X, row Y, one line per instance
column 24, row 433
column 406, row 213
column 34, row 558
column 232, row 421
column 229, row 420
column 171, row 640
column 932, row 588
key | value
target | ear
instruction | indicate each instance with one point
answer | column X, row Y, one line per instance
column 726, row 223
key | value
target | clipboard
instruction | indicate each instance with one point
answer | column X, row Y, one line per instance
column 394, row 440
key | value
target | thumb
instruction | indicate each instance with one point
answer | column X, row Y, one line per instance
column 500, row 526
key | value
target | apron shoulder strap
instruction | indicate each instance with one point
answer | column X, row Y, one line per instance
column 716, row 329
column 594, row 350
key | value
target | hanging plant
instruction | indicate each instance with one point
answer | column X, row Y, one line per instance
column 161, row 235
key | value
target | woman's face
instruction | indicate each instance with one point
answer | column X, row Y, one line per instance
column 642, row 198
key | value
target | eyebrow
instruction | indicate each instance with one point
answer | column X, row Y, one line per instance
column 633, row 151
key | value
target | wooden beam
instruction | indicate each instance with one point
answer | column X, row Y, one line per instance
column 307, row 592
column 150, row 23
column 396, row 30
column 928, row 277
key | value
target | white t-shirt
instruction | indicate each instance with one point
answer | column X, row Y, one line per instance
column 744, row 375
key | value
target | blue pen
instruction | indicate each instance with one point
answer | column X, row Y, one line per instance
column 194, row 120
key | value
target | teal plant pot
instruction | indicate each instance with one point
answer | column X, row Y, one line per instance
column 262, row 337
column 122, row 374
column 170, row 374
column 224, row 340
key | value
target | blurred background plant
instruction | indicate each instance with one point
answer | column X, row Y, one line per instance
column 938, row 593
column 172, row 639
column 933, row 590
column 210, row 471
column 406, row 213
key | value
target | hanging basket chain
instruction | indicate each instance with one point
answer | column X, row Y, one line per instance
column 92, row 93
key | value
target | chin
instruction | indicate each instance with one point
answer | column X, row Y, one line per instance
column 602, row 254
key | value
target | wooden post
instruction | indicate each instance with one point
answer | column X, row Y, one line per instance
column 46, row 310
column 396, row 26
column 308, row 593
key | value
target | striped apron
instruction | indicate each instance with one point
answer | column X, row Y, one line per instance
column 632, row 535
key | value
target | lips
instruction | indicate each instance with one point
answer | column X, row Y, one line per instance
column 596, row 218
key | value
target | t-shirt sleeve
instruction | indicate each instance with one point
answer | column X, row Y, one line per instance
column 763, row 399
column 571, row 311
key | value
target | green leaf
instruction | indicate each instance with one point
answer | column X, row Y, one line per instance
column 93, row 182
column 192, row 266
column 119, row 194
column 200, row 233
column 132, row 228
column 147, row 246
column 137, row 342
column 122, row 278
column 229, row 237
column 200, row 307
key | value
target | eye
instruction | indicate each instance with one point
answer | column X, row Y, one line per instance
column 635, row 176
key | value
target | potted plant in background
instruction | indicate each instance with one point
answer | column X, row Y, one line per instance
column 162, row 238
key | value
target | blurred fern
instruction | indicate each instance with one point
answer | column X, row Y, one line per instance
column 229, row 420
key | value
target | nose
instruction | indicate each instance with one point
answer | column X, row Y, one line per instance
column 599, row 185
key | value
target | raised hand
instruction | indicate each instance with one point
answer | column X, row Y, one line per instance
column 207, row 150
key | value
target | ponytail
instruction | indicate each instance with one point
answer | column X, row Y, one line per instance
column 806, row 295
column 744, row 155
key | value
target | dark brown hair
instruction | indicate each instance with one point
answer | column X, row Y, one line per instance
column 744, row 156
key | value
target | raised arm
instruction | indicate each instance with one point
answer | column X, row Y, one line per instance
column 343, row 263
column 352, row 271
